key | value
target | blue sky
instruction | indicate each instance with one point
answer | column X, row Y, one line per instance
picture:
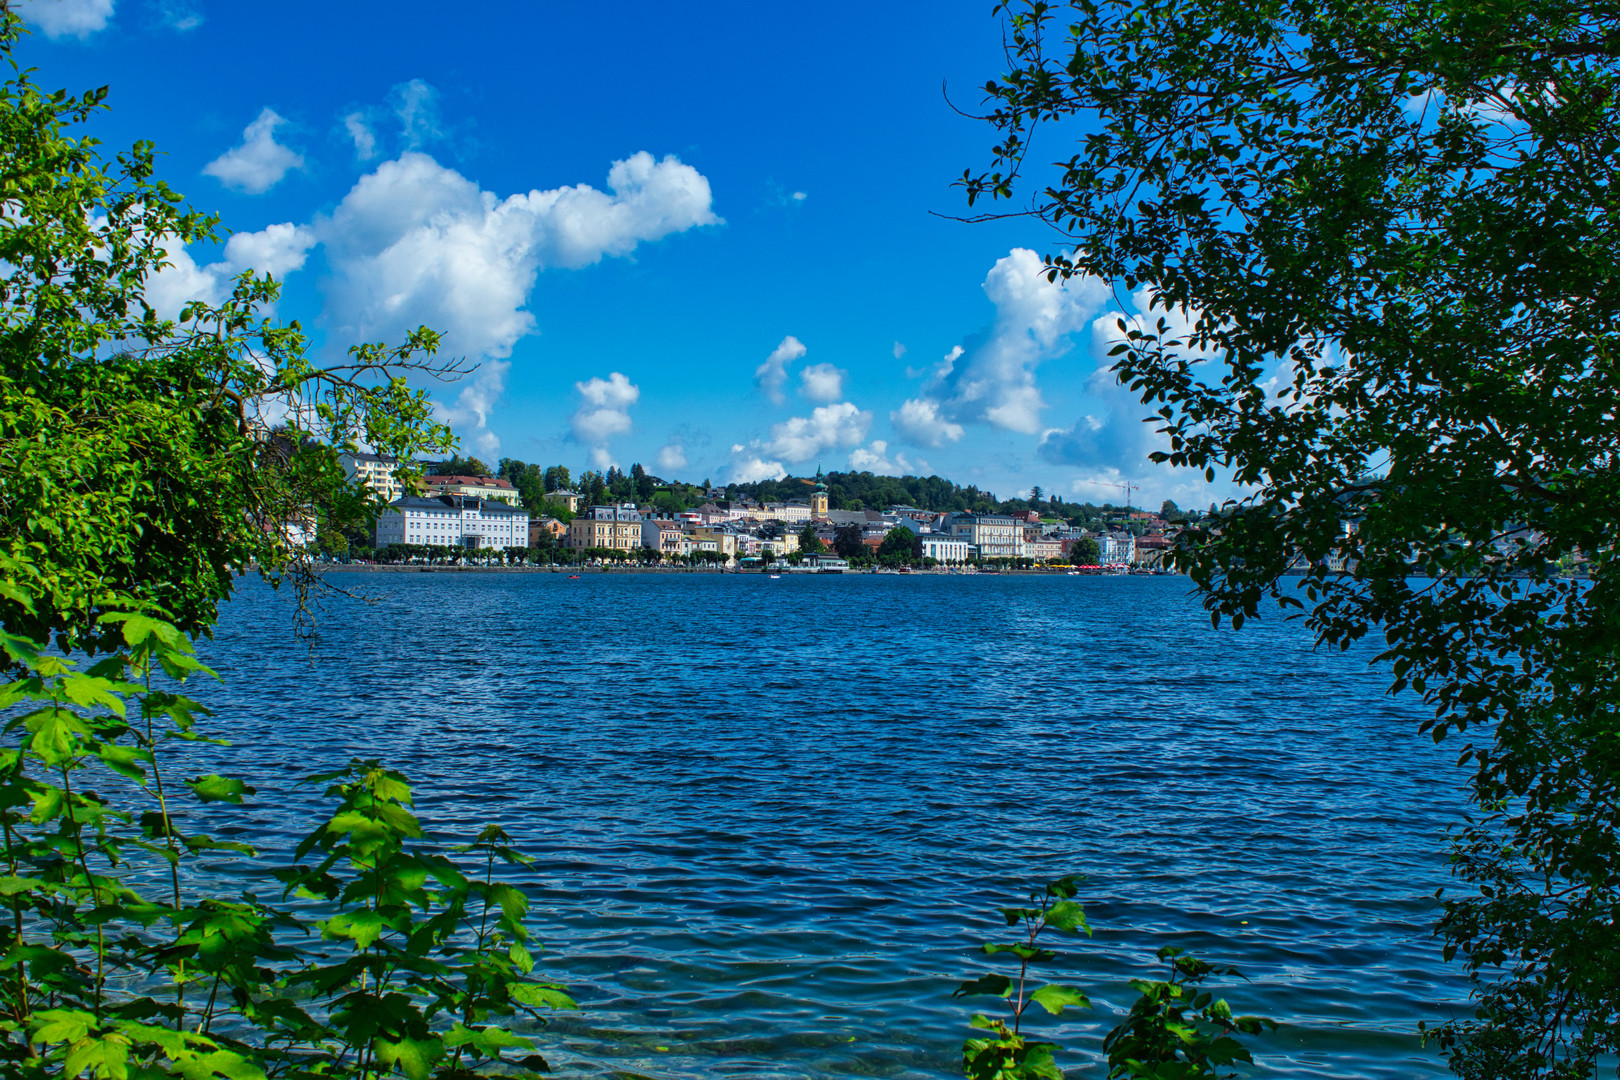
column 702, row 237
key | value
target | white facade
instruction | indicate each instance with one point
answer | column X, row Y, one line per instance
column 944, row 549
column 1117, row 549
column 375, row 471
column 992, row 535
column 453, row 521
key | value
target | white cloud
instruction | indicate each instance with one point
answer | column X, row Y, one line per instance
column 416, row 103
column 821, row 382
column 899, row 350
column 875, row 459
column 474, row 404
column 180, row 15
column 771, row 376
column 990, row 378
column 275, row 249
column 260, row 162
column 416, row 243
column 672, row 456
column 365, row 140
column 66, row 18
column 919, row 420
column 748, row 466
column 604, row 412
column 826, row 428
column 182, row 281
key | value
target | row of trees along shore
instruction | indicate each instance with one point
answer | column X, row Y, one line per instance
column 1373, row 249
column 536, row 484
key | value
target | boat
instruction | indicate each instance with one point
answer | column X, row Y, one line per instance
column 573, row 577
column 776, row 577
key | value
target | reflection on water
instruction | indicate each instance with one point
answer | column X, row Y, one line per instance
column 771, row 817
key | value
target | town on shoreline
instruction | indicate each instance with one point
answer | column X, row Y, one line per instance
column 445, row 514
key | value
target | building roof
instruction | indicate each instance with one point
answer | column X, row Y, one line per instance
column 455, row 502
column 468, row 481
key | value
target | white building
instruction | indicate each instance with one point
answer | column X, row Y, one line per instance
column 1118, row 549
column 453, row 521
column 949, row 550
column 375, row 471
column 993, row 536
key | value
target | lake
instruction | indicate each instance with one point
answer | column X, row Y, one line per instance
column 773, row 818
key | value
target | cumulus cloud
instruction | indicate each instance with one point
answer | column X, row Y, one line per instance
column 470, row 412
column 821, row 382
column 259, row 163
column 899, row 350
column 749, row 466
column 360, row 133
column 604, row 412
column 990, row 378
column 672, row 456
column 920, row 421
column 771, row 376
column 875, row 459
column 66, row 18
column 277, row 249
column 826, row 428
column 417, row 243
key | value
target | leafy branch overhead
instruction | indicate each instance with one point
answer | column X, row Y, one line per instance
column 1373, row 249
column 146, row 456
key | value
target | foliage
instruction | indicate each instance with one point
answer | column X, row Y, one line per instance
column 809, row 542
column 456, row 465
column 847, row 541
column 1174, row 1031
column 1085, row 552
column 144, row 454
column 1177, row 1030
column 1378, row 245
column 117, row 966
column 904, row 545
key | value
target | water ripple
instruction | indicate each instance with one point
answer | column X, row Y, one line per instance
column 770, row 817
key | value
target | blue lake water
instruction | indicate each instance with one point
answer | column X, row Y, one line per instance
column 773, row 819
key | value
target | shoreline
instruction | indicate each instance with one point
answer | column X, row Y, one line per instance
column 354, row 568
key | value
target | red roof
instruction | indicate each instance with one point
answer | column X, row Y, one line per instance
column 467, row 481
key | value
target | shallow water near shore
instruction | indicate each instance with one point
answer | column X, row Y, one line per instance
column 773, row 818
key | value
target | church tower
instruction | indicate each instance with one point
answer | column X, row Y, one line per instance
column 818, row 497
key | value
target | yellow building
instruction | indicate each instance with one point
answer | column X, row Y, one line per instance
column 606, row 527
column 716, row 539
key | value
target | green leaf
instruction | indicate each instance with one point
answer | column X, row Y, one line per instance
column 999, row 985
column 537, row 995
column 1067, row 917
column 219, row 788
column 414, row 1057
column 363, row 927
column 1054, row 999
column 1031, row 953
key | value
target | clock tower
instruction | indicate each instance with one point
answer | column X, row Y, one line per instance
column 818, row 497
